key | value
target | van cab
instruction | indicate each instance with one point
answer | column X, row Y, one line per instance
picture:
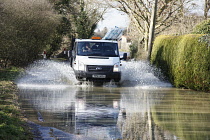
column 96, row 60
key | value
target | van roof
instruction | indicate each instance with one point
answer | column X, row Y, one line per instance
column 94, row 40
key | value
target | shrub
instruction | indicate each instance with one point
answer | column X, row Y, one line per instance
column 184, row 59
column 26, row 27
column 133, row 49
column 202, row 28
column 10, row 128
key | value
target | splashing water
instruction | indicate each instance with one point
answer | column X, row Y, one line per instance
column 47, row 73
column 141, row 74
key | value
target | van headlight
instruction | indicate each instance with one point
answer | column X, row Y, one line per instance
column 82, row 66
column 116, row 67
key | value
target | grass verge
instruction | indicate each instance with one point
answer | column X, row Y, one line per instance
column 12, row 123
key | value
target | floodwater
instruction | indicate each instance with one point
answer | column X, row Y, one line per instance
column 141, row 107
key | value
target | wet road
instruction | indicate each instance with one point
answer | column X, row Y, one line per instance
column 142, row 107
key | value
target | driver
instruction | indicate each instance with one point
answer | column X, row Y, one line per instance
column 87, row 48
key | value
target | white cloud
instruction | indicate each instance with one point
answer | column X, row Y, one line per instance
column 114, row 18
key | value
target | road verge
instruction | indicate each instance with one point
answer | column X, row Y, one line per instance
column 13, row 124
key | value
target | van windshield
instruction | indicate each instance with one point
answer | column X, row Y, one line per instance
column 97, row 49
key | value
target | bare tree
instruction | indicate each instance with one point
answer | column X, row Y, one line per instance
column 140, row 11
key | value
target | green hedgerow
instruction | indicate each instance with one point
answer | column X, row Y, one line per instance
column 202, row 28
column 184, row 60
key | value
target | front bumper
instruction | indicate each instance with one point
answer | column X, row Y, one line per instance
column 98, row 76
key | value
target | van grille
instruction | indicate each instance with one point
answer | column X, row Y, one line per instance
column 95, row 68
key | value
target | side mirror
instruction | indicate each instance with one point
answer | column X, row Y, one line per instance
column 124, row 56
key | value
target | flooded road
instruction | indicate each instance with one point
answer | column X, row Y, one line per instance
column 142, row 107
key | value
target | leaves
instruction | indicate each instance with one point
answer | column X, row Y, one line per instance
column 26, row 28
column 184, row 59
column 202, row 28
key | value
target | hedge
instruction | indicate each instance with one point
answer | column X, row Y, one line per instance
column 184, row 60
column 202, row 28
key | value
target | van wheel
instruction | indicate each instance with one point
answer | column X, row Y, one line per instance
column 79, row 78
column 117, row 80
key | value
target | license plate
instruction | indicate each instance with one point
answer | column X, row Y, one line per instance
column 99, row 76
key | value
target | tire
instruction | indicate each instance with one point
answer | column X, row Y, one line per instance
column 117, row 80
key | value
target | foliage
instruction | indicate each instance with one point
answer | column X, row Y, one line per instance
column 85, row 28
column 80, row 18
column 10, row 128
column 133, row 50
column 205, row 39
column 9, row 74
column 184, row 59
column 62, row 30
column 89, row 14
column 26, row 28
column 202, row 28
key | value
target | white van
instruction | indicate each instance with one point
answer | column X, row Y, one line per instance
column 95, row 59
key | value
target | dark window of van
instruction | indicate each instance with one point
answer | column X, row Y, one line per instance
column 97, row 49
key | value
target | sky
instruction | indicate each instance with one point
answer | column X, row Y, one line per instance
column 199, row 7
column 114, row 17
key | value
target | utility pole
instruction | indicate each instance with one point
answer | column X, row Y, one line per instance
column 152, row 29
column 206, row 9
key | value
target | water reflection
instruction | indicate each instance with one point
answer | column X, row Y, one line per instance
column 121, row 113
column 185, row 113
column 170, row 114
column 139, row 123
column 143, row 107
column 89, row 111
column 49, row 100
